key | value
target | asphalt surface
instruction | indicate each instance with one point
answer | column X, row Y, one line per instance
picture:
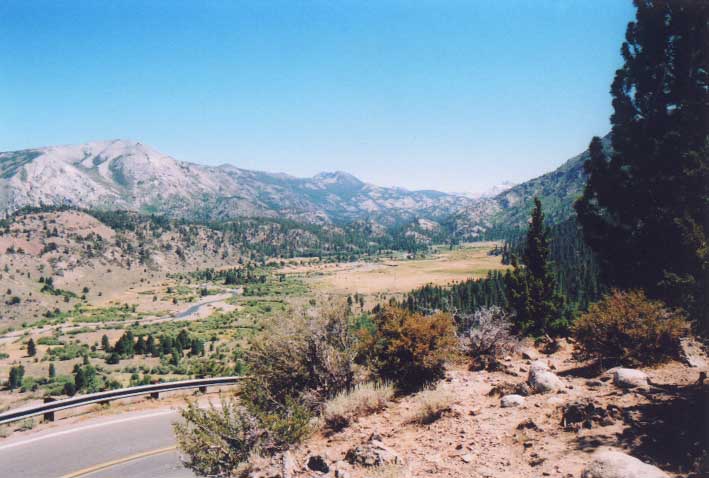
column 68, row 449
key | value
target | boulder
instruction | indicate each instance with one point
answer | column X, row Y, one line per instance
column 614, row 464
column 543, row 380
column 511, row 401
column 692, row 353
column 629, row 378
column 373, row 453
column 539, row 365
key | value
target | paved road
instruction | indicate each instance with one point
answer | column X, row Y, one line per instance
column 66, row 450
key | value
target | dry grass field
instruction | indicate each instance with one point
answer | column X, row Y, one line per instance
column 398, row 276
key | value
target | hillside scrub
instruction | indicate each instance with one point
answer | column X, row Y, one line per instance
column 430, row 405
column 630, row 329
column 217, row 440
column 311, row 359
column 407, row 348
column 363, row 399
column 294, row 367
column 488, row 337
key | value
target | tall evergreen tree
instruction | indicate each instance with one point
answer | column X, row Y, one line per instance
column 31, row 348
column 105, row 344
column 17, row 373
column 644, row 211
column 531, row 287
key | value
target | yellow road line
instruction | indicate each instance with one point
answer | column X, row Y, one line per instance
column 108, row 464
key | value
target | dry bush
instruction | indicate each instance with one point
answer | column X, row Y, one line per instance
column 303, row 358
column 430, row 405
column 294, row 366
column 628, row 328
column 364, row 399
column 407, row 348
column 489, row 336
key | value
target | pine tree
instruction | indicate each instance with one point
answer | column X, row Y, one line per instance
column 140, row 347
column 31, row 348
column 17, row 373
column 643, row 211
column 151, row 347
column 197, row 347
column 531, row 287
column 79, row 378
column 105, row 344
column 52, row 371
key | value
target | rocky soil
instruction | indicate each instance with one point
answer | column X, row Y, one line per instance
column 568, row 420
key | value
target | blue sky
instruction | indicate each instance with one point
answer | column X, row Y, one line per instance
column 448, row 95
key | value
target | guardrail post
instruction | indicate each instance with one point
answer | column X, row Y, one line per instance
column 203, row 389
column 49, row 416
column 154, row 395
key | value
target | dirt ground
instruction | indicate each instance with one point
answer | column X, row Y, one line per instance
column 477, row 438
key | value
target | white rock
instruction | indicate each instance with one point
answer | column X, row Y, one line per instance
column 543, row 381
column 692, row 353
column 614, row 464
column 539, row 365
column 511, row 401
column 629, row 378
column 556, row 400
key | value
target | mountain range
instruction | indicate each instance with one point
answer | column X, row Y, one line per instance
column 122, row 174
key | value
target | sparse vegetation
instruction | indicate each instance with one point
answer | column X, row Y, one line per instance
column 363, row 399
column 430, row 405
column 488, row 336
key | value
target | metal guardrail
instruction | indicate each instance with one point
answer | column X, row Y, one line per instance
column 48, row 409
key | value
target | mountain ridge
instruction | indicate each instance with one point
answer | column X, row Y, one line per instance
column 130, row 175
column 127, row 174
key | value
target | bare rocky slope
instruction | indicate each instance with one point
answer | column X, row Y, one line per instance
column 121, row 174
column 576, row 422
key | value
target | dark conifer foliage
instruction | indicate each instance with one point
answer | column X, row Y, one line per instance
column 531, row 287
column 31, row 348
column 645, row 209
column 462, row 297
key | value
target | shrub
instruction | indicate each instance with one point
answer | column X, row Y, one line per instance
column 430, row 405
column 628, row 328
column 363, row 399
column 311, row 359
column 217, row 440
column 489, row 336
column 295, row 365
column 408, row 348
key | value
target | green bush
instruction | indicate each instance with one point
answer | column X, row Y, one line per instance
column 630, row 329
column 217, row 440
